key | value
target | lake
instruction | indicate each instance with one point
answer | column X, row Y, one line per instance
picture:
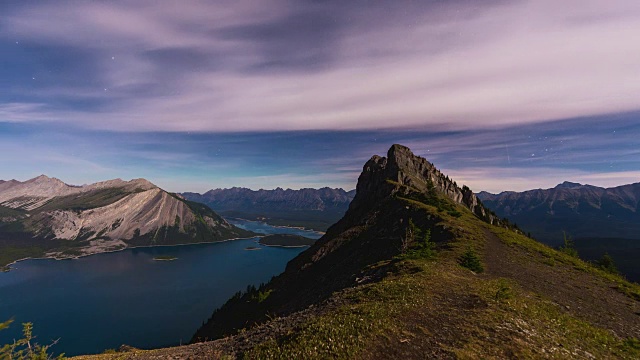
column 103, row 301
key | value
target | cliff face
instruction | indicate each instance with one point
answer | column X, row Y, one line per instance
column 62, row 220
column 381, row 176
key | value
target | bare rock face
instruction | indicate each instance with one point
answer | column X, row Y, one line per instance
column 383, row 176
column 105, row 216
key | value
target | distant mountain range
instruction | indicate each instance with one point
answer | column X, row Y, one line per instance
column 46, row 217
column 579, row 210
column 312, row 208
column 599, row 220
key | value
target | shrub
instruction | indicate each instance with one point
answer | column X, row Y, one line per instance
column 471, row 261
column 417, row 243
column 504, row 291
column 607, row 264
column 569, row 246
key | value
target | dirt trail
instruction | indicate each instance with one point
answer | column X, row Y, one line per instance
column 581, row 294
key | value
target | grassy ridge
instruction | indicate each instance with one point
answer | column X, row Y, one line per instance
column 485, row 316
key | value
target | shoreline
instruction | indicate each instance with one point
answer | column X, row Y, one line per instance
column 287, row 246
column 279, row 226
column 7, row 268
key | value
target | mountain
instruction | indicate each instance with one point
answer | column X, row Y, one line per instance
column 579, row 210
column 600, row 220
column 46, row 217
column 401, row 276
column 312, row 208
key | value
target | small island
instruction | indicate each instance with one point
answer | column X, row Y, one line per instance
column 165, row 258
column 286, row 240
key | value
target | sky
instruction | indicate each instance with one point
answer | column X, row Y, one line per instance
column 195, row 95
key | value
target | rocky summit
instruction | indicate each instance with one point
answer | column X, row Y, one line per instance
column 44, row 217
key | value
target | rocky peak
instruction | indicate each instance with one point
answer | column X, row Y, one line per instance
column 385, row 176
column 568, row 185
column 44, row 179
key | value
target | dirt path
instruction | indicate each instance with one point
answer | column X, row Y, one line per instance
column 581, row 294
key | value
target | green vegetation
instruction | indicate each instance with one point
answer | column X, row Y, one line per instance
column 607, row 264
column 471, row 261
column 25, row 348
column 407, row 311
column 261, row 296
column 9, row 212
column 165, row 258
column 288, row 240
column 10, row 254
column 553, row 257
column 417, row 243
column 569, row 247
column 85, row 201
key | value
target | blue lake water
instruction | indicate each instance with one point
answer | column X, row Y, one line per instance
column 106, row 300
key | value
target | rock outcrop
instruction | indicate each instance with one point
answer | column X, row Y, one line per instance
column 401, row 168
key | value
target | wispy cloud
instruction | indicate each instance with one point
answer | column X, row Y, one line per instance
column 278, row 65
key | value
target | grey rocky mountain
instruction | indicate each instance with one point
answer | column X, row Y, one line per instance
column 46, row 217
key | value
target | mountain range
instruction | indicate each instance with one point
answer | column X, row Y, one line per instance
column 44, row 217
column 311, row 208
column 578, row 210
column 419, row 268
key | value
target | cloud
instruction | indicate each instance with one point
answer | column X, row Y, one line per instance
column 278, row 65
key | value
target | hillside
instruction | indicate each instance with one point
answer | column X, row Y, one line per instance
column 44, row 217
column 599, row 220
column 393, row 279
column 311, row 208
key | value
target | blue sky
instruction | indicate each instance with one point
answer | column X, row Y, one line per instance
column 501, row 95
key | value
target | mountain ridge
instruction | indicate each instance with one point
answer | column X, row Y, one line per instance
column 45, row 217
column 311, row 208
